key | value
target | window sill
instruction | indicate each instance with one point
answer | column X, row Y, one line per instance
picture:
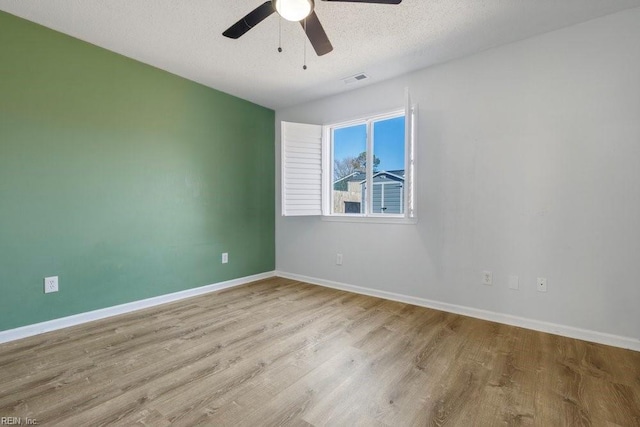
column 369, row 219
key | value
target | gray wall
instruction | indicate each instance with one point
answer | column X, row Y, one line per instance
column 528, row 165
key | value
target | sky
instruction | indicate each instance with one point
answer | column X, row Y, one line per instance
column 388, row 142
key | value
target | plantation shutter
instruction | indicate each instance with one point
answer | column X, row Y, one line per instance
column 410, row 152
column 301, row 169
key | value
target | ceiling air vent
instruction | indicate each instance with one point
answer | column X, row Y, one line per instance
column 357, row 78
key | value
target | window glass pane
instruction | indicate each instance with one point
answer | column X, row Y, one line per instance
column 388, row 166
column 349, row 155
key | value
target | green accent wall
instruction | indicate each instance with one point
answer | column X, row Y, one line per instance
column 125, row 181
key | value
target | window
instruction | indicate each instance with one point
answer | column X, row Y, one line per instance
column 352, row 170
column 367, row 154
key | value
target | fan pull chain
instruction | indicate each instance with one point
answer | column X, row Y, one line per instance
column 280, row 34
column 304, row 66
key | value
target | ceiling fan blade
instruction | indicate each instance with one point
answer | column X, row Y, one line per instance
column 316, row 34
column 252, row 19
column 369, row 1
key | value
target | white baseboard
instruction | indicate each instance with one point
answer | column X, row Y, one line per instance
column 77, row 319
column 536, row 325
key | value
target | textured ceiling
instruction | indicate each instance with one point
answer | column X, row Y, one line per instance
column 184, row 37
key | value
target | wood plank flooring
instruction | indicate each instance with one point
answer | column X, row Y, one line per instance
column 281, row 352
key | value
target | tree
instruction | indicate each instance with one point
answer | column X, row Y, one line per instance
column 360, row 162
column 348, row 165
column 343, row 167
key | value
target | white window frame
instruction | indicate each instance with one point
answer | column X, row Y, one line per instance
column 408, row 187
column 369, row 122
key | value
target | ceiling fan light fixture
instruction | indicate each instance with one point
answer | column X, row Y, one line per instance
column 293, row 10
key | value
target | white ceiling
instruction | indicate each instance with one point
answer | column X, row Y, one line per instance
column 185, row 37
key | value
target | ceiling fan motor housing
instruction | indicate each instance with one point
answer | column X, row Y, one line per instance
column 293, row 10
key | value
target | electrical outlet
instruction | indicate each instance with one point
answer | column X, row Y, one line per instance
column 50, row 284
column 338, row 259
column 225, row 258
column 487, row 278
column 541, row 284
column 514, row 283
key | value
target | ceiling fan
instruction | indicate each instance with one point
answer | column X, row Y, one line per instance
column 296, row 11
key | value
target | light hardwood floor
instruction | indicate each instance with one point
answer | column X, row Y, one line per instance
column 281, row 352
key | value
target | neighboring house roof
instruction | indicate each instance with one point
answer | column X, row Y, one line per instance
column 360, row 177
column 343, row 183
column 354, row 176
column 397, row 175
column 398, row 172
